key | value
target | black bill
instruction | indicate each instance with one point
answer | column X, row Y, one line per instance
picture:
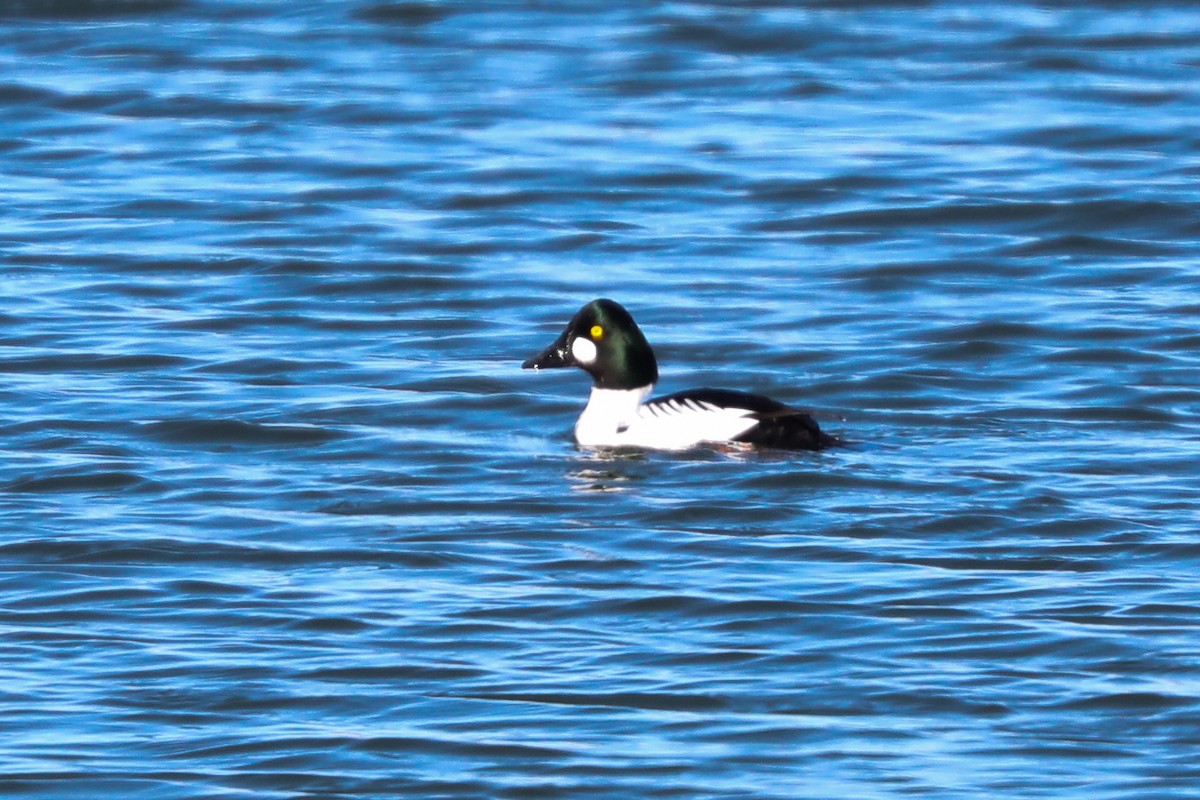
column 556, row 355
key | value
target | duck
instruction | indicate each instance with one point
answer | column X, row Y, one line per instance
column 603, row 340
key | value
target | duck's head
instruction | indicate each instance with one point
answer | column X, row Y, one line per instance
column 604, row 341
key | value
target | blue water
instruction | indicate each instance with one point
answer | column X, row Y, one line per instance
column 281, row 516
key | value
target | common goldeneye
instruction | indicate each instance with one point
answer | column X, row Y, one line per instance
column 604, row 341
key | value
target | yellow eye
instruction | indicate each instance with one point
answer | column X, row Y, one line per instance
column 597, row 332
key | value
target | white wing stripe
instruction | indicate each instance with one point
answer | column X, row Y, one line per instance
column 674, row 407
column 691, row 408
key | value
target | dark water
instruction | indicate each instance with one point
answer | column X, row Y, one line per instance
column 281, row 516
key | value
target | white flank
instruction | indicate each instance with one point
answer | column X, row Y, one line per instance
column 616, row 418
column 583, row 349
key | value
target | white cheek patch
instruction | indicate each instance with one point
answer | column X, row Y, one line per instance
column 583, row 350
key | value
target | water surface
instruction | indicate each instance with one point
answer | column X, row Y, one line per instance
column 281, row 516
